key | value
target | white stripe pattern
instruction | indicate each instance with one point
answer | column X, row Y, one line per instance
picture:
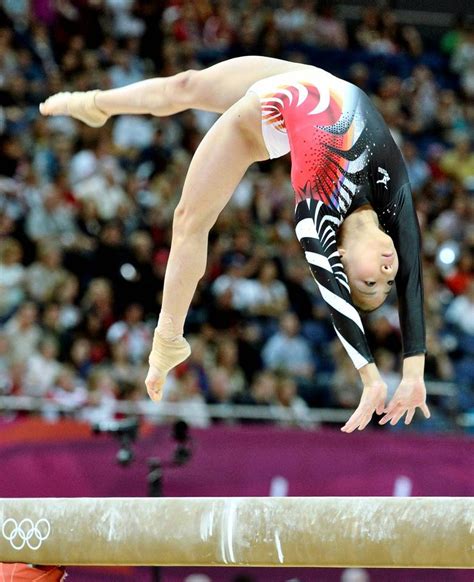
column 358, row 359
column 318, row 260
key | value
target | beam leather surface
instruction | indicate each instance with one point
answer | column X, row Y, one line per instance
column 424, row 532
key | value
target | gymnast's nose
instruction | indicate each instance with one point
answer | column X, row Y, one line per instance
column 387, row 268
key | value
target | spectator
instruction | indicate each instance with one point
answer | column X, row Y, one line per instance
column 329, row 30
column 460, row 313
column 68, row 391
column 23, row 332
column 194, row 411
column 288, row 351
column 46, row 275
column 42, row 368
column 134, row 334
column 463, row 60
column 267, row 294
column 295, row 408
column 459, row 162
column 5, row 360
column 418, row 170
column 12, row 277
column 227, row 362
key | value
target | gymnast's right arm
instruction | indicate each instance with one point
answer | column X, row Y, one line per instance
column 324, row 262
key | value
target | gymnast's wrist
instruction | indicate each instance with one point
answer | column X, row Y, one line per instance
column 369, row 374
column 414, row 367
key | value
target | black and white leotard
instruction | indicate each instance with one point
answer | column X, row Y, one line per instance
column 343, row 156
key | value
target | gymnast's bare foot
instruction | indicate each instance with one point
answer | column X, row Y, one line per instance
column 56, row 104
column 154, row 383
column 166, row 353
column 80, row 105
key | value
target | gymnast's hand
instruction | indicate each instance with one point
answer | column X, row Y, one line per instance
column 372, row 399
column 410, row 395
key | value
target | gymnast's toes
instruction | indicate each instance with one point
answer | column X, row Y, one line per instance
column 56, row 104
column 154, row 384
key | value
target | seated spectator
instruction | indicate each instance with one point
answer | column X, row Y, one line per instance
column 42, row 368
column 262, row 391
column 135, row 334
column 458, row 163
column 45, row 276
column 200, row 361
column 222, row 315
column 102, row 397
column 80, row 356
column 227, row 361
column 367, row 32
column 290, row 20
column 220, row 387
column 119, row 365
column 194, row 411
column 438, row 365
column 463, row 60
column 68, row 390
column 295, row 408
column 460, row 313
column 381, row 333
column 52, row 220
column 387, row 365
column 12, row 277
column 99, row 300
column 218, row 30
column 106, row 178
column 298, row 290
column 329, row 31
column 66, row 296
column 233, row 280
column 5, row 363
column 463, row 273
column 267, row 296
column 289, row 352
column 346, row 386
column 23, row 332
column 418, row 170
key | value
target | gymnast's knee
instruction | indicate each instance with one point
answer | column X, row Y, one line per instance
column 189, row 220
column 183, row 87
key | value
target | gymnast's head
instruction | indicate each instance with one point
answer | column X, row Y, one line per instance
column 370, row 262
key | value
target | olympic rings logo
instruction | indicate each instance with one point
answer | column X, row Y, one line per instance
column 26, row 533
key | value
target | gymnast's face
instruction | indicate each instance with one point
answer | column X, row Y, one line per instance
column 371, row 264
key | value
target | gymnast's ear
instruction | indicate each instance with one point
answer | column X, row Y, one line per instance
column 341, row 251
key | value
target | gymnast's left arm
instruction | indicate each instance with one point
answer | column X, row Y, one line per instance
column 402, row 226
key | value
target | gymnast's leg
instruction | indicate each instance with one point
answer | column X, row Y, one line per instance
column 213, row 89
column 232, row 144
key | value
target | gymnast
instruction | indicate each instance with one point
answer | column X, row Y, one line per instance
column 354, row 213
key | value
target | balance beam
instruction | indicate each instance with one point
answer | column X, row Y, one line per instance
column 423, row 532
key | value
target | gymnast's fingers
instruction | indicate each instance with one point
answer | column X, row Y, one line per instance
column 365, row 422
column 410, row 415
column 380, row 407
column 391, row 412
column 397, row 416
column 391, row 406
column 425, row 410
column 357, row 419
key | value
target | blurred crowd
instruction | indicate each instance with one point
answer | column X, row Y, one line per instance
column 85, row 214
